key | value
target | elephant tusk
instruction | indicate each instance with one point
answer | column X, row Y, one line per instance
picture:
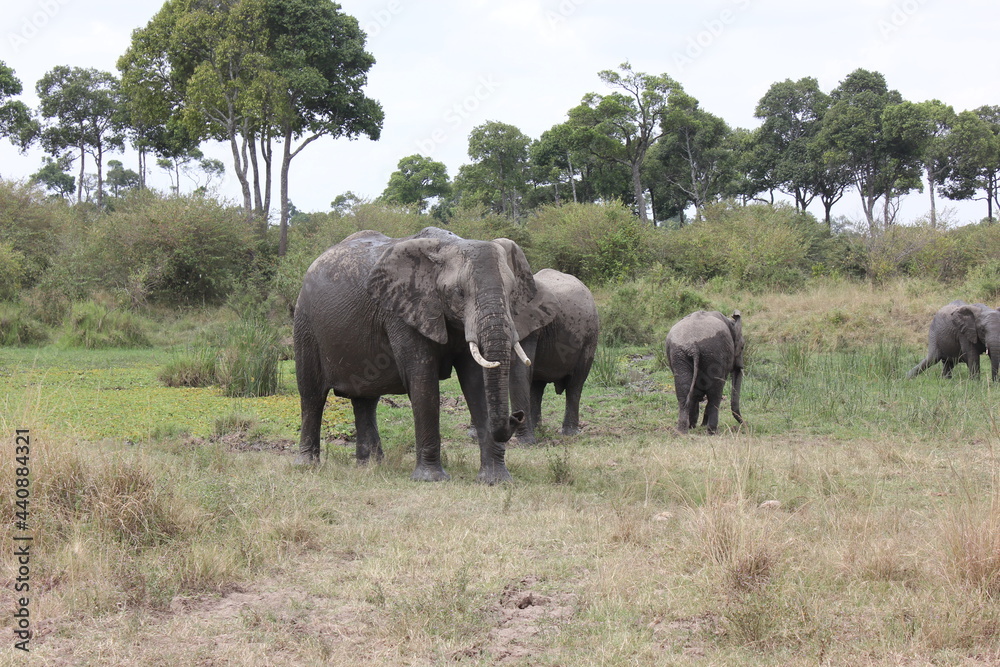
column 521, row 355
column 479, row 357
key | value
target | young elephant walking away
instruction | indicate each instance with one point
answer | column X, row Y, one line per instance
column 962, row 332
column 703, row 349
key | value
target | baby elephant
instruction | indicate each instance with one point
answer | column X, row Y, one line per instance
column 702, row 350
column 962, row 332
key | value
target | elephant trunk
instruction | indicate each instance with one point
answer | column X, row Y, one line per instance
column 735, row 400
column 495, row 339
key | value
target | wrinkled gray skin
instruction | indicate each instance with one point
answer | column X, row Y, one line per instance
column 962, row 332
column 561, row 352
column 379, row 316
column 702, row 350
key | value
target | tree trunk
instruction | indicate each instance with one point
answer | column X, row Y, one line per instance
column 640, row 200
column 79, row 184
column 286, row 161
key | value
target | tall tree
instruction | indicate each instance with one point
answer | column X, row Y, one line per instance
column 695, row 152
column 417, row 179
column 974, row 156
column 792, row 112
column 80, row 106
column 883, row 164
column 16, row 122
column 317, row 68
column 498, row 175
column 626, row 124
column 926, row 124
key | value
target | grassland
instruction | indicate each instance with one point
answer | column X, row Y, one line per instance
column 854, row 520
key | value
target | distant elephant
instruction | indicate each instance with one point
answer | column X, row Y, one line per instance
column 962, row 332
column 702, row 350
column 561, row 352
column 378, row 315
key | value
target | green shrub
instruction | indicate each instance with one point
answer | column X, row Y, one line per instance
column 597, row 243
column 250, row 360
column 92, row 326
column 625, row 318
column 18, row 327
column 193, row 368
column 983, row 282
column 12, row 271
column 176, row 249
column 757, row 247
column 35, row 227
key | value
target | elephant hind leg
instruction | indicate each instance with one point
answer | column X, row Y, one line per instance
column 368, row 441
column 312, row 400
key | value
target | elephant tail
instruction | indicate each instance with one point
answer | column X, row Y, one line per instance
column 694, row 377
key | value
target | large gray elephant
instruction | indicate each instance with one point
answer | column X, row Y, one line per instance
column 378, row 315
column 561, row 352
column 962, row 332
column 703, row 349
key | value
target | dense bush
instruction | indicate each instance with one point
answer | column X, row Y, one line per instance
column 34, row 227
column 93, row 325
column 187, row 249
column 249, row 363
column 597, row 243
column 18, row 326
column 641, row 312
column 757, row 247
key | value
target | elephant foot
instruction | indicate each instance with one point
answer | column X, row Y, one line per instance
column 526, row 438
column 307, row 458
column 428, row 473
column 366, row 457
column 494, row 474
column 570, row 429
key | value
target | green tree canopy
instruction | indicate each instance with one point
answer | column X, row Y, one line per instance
column 80, row 106
column 624, row 125
column 16, row 122
column 417, row 179
column 973, row 147
column 498, row 175
column 882, row 158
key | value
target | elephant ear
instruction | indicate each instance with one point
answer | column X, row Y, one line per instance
column 532, row 308
column 402, row 282
column 965, row 322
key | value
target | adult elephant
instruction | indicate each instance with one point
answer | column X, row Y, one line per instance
column 561, row 352
column 378, row 315
column 961, row 332
column 702, row 350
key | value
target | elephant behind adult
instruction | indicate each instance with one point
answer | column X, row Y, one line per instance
column 561, row 352
column 962, row 332
column 378, row 315
column 702, row 350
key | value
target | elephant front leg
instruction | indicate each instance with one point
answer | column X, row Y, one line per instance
column 492, row 454
column 425, row 397
column 368, row 441
column 712, row 413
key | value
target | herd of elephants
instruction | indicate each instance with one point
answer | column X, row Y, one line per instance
column 379, row 315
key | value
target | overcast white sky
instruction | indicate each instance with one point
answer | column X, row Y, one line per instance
column 446, row 66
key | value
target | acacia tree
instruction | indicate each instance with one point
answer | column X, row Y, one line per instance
column 80, row 107
column 626, row 124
